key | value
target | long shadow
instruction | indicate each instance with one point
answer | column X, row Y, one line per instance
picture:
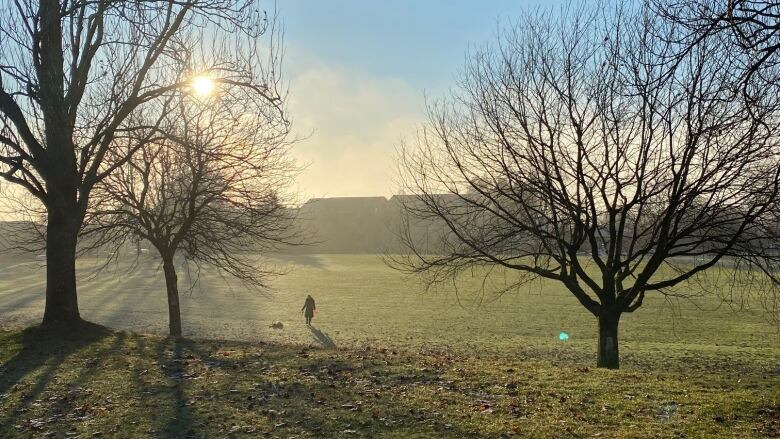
column 23, row 299
column 47, row 346
column 322, row 338
column 279, row 387
column 44, row 348
column 46, row 353
column 181, row 422
column 285, row 407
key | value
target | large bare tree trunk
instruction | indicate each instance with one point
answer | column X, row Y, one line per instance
column 61, row 237
column 608, row 353
column 58, row 167
column 61, row 300
column 171, row 284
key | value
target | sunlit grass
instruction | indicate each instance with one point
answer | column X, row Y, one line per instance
column 446, row 363
column 128, row 385
column 363, row 302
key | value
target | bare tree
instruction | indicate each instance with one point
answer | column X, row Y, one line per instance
column 751, row 30
column 580, row 150
column 209, row 185
column 73, row 71
column 748, row 26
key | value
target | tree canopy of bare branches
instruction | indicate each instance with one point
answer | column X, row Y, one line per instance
column 582, row 148
column 209, row 184
column 73, row 72
column 751, row 27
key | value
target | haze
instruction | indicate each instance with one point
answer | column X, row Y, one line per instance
column 430, row 219
column 359, row 75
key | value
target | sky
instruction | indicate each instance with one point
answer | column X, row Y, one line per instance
column 360, row 72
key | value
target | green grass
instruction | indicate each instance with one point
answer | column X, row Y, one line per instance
column 452, row 362
column 118, row 384
column 362, row 302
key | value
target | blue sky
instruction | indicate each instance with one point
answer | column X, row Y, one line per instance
column 359, row 72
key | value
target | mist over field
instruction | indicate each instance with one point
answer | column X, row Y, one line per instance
column 362, row 302
column 438, row 219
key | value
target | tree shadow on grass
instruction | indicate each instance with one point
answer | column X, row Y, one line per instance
column 22, row 300
column 322, row 338
column 173, row 361
column 62, row 385
column 46, row 346
column 130, row 385
column 267, row 390
column 42, row 352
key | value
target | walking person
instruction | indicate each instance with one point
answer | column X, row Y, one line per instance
column 308, row 309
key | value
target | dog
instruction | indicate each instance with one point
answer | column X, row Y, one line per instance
column 276, row 325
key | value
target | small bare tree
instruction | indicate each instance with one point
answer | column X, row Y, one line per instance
column 72, row 72
column 208, row 183
column 580, row 150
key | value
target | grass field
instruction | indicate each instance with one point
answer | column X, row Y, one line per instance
column 106, row 384
column 437, row 364
column 363, row 302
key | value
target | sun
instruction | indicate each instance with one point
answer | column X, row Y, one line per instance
column 202, row 86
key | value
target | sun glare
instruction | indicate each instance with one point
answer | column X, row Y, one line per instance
column 202, row 86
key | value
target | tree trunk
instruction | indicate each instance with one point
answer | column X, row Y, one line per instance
column 61, row 237
column 608, row 353
column 59, row 170
column 171, row 284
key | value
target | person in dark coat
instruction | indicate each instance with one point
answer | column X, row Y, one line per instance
column 308, row 309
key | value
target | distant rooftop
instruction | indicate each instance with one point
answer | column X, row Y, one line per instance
column 377, row 198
